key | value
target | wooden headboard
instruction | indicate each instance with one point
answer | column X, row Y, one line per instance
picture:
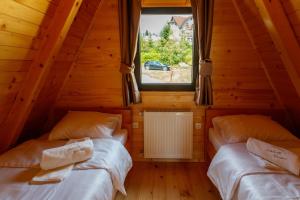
column 278, row 115
column 59, row 112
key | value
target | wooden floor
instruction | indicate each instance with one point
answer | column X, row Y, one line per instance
column 168, row 181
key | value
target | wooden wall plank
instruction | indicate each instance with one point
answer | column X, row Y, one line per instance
column 16, row 53
column 15, row 40
column 18, row 10
column 16, row 25
column 41, row 6
column 12, row 65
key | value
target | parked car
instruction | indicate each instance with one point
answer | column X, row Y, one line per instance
column 149, row 65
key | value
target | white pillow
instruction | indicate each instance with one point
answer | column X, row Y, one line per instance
column 80, row 124
column 238, row 128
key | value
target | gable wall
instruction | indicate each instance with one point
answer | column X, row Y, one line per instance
column 239, row 80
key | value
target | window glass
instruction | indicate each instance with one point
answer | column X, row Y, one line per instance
column 166, row 55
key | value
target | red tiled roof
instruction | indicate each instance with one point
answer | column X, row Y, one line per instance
column 179, row 20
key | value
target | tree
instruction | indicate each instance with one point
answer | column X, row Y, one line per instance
column 166, row 32
column 166, row 50
column 147, row 33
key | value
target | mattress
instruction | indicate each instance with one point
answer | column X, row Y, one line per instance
column 215, row 138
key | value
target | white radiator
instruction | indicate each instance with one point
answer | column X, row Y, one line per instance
column 168, row 135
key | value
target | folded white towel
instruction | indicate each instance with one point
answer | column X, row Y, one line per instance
column 74, row 151
column 52, row 175
column 277, row 155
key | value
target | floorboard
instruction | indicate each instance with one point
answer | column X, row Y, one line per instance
column 168, row 181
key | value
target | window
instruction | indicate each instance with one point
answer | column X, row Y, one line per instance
column 166, row 58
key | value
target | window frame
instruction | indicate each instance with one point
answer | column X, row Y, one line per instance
column 167, row 86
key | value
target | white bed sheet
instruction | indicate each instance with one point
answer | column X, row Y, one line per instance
column 255, row 184
column 268, row 187
column 93, row 184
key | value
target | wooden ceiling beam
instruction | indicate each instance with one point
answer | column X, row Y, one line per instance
column 283, row 36
column 51, row 43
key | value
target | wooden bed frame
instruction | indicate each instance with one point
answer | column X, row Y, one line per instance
column 278, row 115
column 59, row 112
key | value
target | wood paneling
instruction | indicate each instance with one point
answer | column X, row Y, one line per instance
column 95, row 79
column 239, row 80
column 22, row 24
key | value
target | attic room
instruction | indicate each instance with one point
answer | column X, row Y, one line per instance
column 149, row 99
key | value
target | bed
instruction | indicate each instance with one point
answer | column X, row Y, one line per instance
column 213, row 141
column 236, row 159
column 81, row 184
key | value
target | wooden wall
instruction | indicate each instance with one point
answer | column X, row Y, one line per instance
column 22, row 24
column 239, row 80
column 248, row 69
column 271, row 58
column 238, row 77
column 95, row 79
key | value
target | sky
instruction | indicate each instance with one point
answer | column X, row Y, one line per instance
column 154, row 23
